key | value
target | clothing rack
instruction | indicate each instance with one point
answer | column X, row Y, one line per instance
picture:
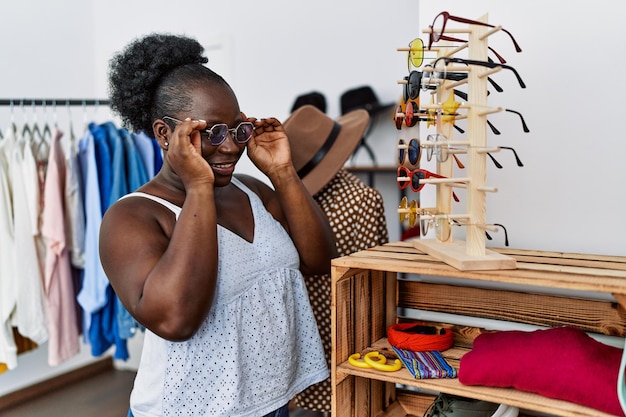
column 53, row 102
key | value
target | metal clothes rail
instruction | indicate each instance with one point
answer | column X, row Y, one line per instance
column 53, row 102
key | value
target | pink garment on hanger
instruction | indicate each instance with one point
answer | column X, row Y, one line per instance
column 58, row 285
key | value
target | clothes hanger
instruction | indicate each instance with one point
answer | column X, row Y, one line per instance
column 13, row 125
column 27, row 132
column 42, row 139
column 69, row 116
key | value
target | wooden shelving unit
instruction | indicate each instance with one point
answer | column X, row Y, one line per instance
column 367, row 295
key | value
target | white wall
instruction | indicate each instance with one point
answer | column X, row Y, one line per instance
column 569, row 195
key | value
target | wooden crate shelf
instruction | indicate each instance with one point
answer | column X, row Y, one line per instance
column 366, row 300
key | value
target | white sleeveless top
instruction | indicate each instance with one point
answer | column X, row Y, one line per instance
column 257, row 348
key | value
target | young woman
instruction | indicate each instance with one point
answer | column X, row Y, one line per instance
column 208, row 261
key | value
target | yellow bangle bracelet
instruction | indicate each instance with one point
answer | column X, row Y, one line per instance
column 381, row 363
column 355, row 360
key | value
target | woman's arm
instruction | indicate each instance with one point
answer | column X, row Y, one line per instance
column 302, row 217
column 164, row 271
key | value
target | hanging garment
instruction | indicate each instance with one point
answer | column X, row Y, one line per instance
column 145, row 148
column 96, row 297
column 92, row 295
column 29, row 316
column 356, row 214
column 34, row 176
column 8, row 290
column 74, row 208
column 158, row 155
column 136, row 176
column 63, row 340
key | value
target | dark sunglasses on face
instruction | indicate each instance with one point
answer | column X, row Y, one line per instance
column 216, row 134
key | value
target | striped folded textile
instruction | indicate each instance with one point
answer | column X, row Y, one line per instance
column 425, row 365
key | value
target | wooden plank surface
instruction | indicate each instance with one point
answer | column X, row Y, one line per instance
column 559, row 270
column 546, row 310
column 520, row 399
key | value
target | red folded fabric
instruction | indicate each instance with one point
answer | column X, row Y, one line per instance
column 562, row 363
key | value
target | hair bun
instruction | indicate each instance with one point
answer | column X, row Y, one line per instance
column 136, row 71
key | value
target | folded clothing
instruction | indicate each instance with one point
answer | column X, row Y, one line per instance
column 563, row 363
column 424, row 365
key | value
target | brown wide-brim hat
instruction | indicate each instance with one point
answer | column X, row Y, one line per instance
column 320, row 146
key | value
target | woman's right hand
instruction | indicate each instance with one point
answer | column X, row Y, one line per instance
column 184, row 153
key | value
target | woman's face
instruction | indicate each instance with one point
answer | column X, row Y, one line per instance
column 216, row 103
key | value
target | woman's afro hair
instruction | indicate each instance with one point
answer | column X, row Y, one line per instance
column 136, row 73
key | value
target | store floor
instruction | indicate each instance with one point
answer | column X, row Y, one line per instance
column 102, row 395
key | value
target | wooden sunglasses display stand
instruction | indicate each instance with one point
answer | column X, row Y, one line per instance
column 471, row 254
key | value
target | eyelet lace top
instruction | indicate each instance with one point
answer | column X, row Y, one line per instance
column 257, row 348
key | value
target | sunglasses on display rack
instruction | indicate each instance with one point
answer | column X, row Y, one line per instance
column 413, row 84
column 410, row 151
column 488, row 64
column 439, row 145
column 430, row 78
column 217, row 133
column 431, row 112
column 439, row 221
column 411, row 115
column 506, row 235
column 438, row 28
column 411, row 212
column 408, row 211
column 498, row 165
column 495, row 130
column 414, row 177
column 415, row 54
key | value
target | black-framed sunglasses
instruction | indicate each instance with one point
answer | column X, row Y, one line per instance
column 495, row 130
column 498, row 164
column 217, row 133
column 418, row 80
column 432, row 77
column 444, row 233
column 488, row 64
column 438, row 28
column 506, row 234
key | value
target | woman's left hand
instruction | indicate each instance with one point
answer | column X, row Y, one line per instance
column 269, row 148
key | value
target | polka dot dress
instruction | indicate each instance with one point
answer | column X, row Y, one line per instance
column 259, row 346
column 357, row 216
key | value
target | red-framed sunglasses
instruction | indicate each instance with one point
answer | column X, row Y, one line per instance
column 438, row 28
column 414, row 177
